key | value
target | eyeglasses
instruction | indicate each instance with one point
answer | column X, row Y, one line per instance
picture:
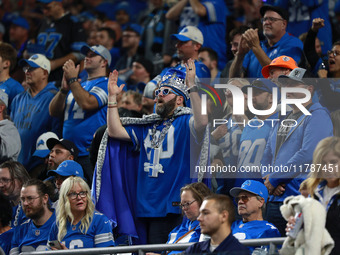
column 164, row 92
column 244, row 198
column 186, row 205
column 333, row 53
column 270, row 19
column 29, row 69
column 29, row 200
column 74, row 195
column 5, row 180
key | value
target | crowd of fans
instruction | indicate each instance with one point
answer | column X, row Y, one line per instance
column 115, row 117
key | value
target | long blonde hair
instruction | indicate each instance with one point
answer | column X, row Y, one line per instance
column 322, row 149
column 63, row 210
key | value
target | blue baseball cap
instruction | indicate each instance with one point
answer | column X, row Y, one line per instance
column 99, row 50
column 21, row 22
column 68, row 168
column 254, row 187
column 261, row 84
column 135, row 28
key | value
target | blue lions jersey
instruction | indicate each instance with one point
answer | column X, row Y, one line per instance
column 301, row 15
column 80, row 125
column 156, row 194
column 99, row 234
column 18, row 216
column 230, row 143
column 31, row 117
column 253, row 230
column 5, row 241
column 213, row 25
column 12, row 88
column 253, row 142
column 29, row 237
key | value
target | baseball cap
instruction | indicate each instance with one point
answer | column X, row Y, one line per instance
column 68, row 168
column 21, row 22
column 254, row 187
column 282, row 61
column 42, row 150
column 261, row 84
column 295, row 76
column 135, row 28
column 4, row 97
column 189, row 33
column 37, row 60
column 69, row 145
column 99, row 50
column 282, row 12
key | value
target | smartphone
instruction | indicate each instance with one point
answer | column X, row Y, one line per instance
column 55, row 244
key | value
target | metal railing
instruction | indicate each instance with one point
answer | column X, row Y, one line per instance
column 141, row 249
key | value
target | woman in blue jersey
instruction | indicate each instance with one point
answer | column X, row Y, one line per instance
column 78, row 225
column 192, row 196
column 323, row 184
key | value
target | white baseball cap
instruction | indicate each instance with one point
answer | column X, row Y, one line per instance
column 99, row 50
column 189, row 33
column 37, row 60
column 41, row 149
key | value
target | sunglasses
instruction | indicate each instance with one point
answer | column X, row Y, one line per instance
column 165, row 92
column 244, row 198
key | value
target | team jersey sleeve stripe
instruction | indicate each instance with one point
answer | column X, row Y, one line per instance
column 103, row 238
column 99, row 92
column 211, row 12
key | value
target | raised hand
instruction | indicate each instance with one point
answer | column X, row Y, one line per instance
column 190, row 73
column 70, row 70
column 252, row 38
column 317, row 24
column 112, row 86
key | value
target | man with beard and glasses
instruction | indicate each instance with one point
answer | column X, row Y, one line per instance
column 32, row 235
column 12, row 176
column 164, row 141
column 252, row 54
column 256, row 131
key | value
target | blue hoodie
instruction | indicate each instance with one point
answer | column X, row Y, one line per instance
column 296, row 150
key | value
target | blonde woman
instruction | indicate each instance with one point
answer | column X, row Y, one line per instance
column 78, row 225
column 323, row 184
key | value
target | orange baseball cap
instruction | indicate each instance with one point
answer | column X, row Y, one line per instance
column 282, row 61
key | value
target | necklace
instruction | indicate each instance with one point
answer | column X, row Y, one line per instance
column 15, row 223
column 156, row 141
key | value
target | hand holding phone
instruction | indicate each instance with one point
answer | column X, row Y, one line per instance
column 55, row 244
